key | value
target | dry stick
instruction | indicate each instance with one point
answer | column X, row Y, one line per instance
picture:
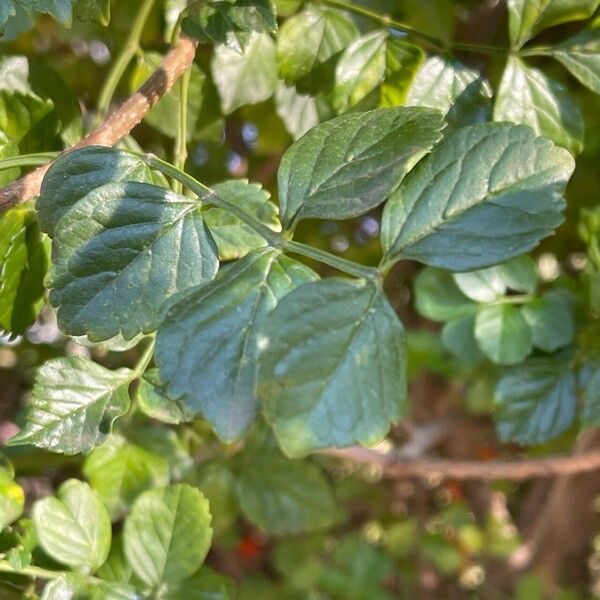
column 516, row 470
column 118, row 124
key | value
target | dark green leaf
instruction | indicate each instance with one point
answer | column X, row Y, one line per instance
column 458, row 337
column 120, row 252
column 536, row 402
column 207, row 347
column 206, row 584
column 231, row 23
column 590, row 415
column 167, row 534
column 245, row 78
column 233, row 237
column 25, row 262
column 97, row 11
column 74, row 404
column 474, row 201
column 332, row 368
column 551, row 321
column 120, row 472
column 346, row 166
column 74, row 527
column 528, row 96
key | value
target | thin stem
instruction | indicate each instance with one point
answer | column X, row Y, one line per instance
column 210, row 197
column 27, row 160
column 30, row 571
column 128, row 51
column 516, row 299
column 433, row 42
column 536, row 51
column 181, row 139
column 342, row 264
column 144, row 360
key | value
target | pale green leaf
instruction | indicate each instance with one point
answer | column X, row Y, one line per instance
column 245, row 78
column 299, row 112
column 73, row 527
column 74, row 404
column 167, row 534
column 120, row 252
column 218, row 325
column 528, row 96
column 332, row 368
column 475, row 202
column 120, row 471
column 154, row 402
column 484, row 285
column 346, row 166
column 458, row 337
column 551, row 321
column 536, row 402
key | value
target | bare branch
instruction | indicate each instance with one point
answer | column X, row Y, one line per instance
column 118, row 124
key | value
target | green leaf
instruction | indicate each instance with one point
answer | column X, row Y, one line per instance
column 74, row 587
column 460, row 93
column 503, row 333
column 231, row 23
column 529, row 17
column 590, row 415
column 474, row 201
column 536, row 402
column 167, row 534
column 72, row 176
column 202, row 105
column 299, row 112
column 308, row 44
column 580, row 55
column 528, row 96
column 120, row 472
column 346, row 166
column 284, row 497
column 438, row 298
column 61, row 10
column 551, row 321
column 332, row 368
column 484, row 285
column 245, row 78
column 218, row 325
column 20, row 112
column 25, row 262
column 233, row 237
column 120, row 252
column 74, row 404
column 97, row 11
column 372, row 61
column 153, row 399
column 206, row 584
column 458, row 337
column 519, row 274
column 73, row 527
column 12, row 498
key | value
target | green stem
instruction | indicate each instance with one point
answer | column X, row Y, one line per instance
column 128, row 51
column 433, row 42
column 144, row 360
column 27, row 160
column 536, row 51
column 31, row 571
column 210, row 197
column 517, row 299
column 342, row 264
column 181, row 139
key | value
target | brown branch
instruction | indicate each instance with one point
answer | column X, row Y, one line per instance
column 516, row 470
column 118, row 124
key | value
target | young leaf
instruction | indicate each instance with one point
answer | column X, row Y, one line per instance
column 167, row 534
column 503, row 333
column 120, row 472
column 519, row 274
column 346, row 166
column 474, row 201
column 74, row 404
column 529, row 97
column 536, row 402
column 551, row 321
column 460, row 93
column 120, row 252
column 299, row 112
column 154, row 402
column 12, row 498
column 231, row 23
column 284, row 497
column 485, row 285
column 207, row 347
column 72, row 176
column 529, row 17
column 25, row 262
column 245, row 78
column 580, row 54
column 332, row 368
column 372, row 61
column 75, row 587
column 310, row 41
column 233, row 237
column 73, row 527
